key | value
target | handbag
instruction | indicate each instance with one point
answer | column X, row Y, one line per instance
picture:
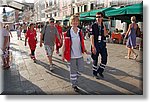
column 44, row 33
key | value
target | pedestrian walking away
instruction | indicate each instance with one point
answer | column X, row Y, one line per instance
column 131, row 38
column 72, row 50
column 98, row 45
column 49, row 33
column 32, row 40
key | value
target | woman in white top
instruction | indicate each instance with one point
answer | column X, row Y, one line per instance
column 73, row 53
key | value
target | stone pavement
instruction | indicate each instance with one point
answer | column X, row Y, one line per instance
column 122, row 76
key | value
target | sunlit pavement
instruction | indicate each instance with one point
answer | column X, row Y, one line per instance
column 122, row 76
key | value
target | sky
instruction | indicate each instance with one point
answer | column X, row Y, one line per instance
column 9, row 9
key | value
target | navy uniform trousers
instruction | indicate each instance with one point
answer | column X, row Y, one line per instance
column 100, row 50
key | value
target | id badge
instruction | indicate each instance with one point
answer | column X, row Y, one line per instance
column 99, row 38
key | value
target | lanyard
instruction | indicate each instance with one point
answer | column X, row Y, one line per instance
column 99, row 29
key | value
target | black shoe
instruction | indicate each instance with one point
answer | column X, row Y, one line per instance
column 100, row 74
column 95, row 76
column 76, row 89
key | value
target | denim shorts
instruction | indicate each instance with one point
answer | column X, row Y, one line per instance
column 49, row 50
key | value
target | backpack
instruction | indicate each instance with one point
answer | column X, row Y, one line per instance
column 44, row 33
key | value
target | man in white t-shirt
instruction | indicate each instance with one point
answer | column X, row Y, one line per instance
column 5, row 47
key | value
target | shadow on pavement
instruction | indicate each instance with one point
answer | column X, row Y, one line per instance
column 109, row 77
column 87, row 86
column 61, row 72
column 94, row 87
column 43, row 64
column 14, row 86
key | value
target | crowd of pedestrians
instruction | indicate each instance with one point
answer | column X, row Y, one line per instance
column 72, row 43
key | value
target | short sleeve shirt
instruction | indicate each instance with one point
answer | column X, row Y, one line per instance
column 76, row 44
column 4, row 33
column 50, row 34
column 31, row 35
column 96, row 31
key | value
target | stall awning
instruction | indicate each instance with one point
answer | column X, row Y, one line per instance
column 85, row 14
column 124, row 14
column 133, row 9
column 87, row 18
column 93, row 12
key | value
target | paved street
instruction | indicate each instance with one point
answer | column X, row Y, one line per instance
column 122, row 76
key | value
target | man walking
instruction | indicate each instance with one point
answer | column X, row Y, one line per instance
column 49, row 32
column 5, row 47
column 98, row 42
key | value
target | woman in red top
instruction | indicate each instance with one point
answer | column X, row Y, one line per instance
column 32, row 40
column 58, row 44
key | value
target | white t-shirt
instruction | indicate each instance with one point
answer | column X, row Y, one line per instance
column 76, row 44
column 4, row 33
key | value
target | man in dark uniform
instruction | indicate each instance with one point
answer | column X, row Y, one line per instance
column 98, row 42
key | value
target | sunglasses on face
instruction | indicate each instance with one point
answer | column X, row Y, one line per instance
column 98, row 16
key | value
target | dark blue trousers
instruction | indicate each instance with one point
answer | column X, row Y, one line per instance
column 100, row 50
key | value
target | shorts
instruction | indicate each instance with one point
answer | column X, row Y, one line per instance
column 5, row 53
column 49, row 50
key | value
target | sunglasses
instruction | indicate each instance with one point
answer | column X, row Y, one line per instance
column 98, row 16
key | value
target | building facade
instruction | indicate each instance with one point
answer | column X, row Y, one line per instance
column 28, row 12
column 52, row 8
column 66, row 8
column 79, row 6
column 39, row 10
column 60, row 9
column 115, row 3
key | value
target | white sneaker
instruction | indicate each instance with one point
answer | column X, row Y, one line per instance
column 51, row 67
